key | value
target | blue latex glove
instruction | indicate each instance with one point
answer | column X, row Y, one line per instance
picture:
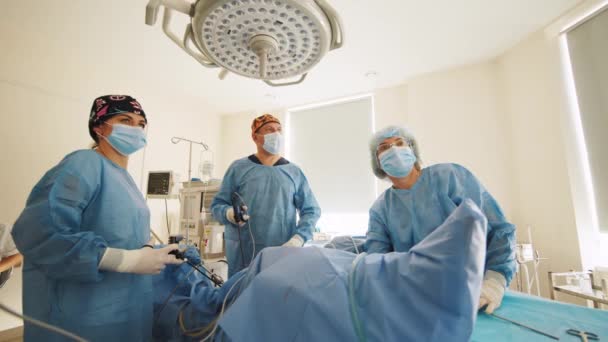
column 193, row 255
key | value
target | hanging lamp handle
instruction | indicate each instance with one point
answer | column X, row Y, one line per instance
column 337, row 34
column 278, row 84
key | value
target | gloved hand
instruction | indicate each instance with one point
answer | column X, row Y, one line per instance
column 295, row 241
column 193, row 255
column 145, row 260
column 492, row 291
column 190, row 253
column 232, row 219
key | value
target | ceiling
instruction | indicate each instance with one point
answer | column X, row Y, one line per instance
column 81, row 48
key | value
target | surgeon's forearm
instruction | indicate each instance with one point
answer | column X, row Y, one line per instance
column 307, row 224
column 500, row 255
column 506, row 269
column 74, row 257
column 377, row 240
column 219, row 213
column 14, row 260
column 305, row 231
column 372, row 246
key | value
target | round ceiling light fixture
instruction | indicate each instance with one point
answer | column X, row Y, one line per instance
column 270, row 40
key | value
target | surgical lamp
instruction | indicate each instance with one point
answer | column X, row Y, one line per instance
column 269, row 40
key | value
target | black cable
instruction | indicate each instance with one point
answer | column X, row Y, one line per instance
column 241, row 247
column 214, row 279
column 42, row 324
column 171, row 295
column 240, row 241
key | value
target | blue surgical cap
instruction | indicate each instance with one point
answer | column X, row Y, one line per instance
column 390, row 132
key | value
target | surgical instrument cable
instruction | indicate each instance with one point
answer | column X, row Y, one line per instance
column 42, row 324
column 525, row 326
column 243, row 203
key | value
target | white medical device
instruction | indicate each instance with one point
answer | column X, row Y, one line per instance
column 196, row 220
column 526, row 255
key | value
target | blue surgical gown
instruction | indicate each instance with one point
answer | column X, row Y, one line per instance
column 317, row 294
column 274, row 195
column 79, row 208
column 400, row 218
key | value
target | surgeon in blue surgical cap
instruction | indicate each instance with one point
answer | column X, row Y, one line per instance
column 85, row 233
column 422, row 198
column 276, row 193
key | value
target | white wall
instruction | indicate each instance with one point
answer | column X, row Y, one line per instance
column 457, row 117
column 39, row 127
column 542, row 197
column 551, row 193
column 391, row 106
column 593, row 244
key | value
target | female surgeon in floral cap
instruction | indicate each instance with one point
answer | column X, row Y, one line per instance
column 85, row 234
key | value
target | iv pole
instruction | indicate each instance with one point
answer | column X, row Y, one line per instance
column 176, row 140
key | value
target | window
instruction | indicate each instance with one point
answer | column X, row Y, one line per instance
column 588, row 50
column 329, row 142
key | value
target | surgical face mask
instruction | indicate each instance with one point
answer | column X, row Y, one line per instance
column 126, row 139
column 397, row 161
column 273, row 142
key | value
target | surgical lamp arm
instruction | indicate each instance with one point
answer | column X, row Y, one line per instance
column 154, row 5
column 204, row 61
column 185, row 8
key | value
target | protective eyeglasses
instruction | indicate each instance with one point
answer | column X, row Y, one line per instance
column 267, row 130
column 126, row 120
column 385, row 146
